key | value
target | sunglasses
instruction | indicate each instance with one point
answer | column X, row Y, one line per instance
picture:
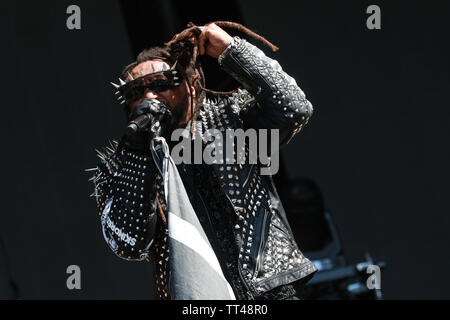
column 157, row 81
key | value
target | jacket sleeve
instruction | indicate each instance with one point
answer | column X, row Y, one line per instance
column 124, row 188
column 271, row 99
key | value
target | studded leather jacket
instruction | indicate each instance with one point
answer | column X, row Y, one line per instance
column 238, row 207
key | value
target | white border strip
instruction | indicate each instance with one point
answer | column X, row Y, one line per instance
column 187, row 234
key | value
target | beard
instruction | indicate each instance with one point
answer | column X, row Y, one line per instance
column 179, row 113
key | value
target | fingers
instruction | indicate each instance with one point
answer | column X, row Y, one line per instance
column 201, row 41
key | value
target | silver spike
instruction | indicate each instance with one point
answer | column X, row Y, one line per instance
column 119, row 98
column 130, row 76
column 115, row 85
column 174, row 65
column 91, row 169
column 107, row 152
column 113, row 145
column 121, row 82
column 122, row 102
column 109, row 149
column 100, row 154
column 117, row 92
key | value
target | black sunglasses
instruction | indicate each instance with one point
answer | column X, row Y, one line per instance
column 157, row 81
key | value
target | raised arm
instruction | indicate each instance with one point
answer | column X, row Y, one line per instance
column 273, row 100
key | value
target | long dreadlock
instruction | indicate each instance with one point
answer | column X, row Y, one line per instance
column 183, row 49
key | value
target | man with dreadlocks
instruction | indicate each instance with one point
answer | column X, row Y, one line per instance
column 213, row 231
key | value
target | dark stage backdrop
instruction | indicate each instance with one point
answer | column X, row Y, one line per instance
column 59, row 107
column 376, row 144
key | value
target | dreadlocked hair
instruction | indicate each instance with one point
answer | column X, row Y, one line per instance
column 183, row 50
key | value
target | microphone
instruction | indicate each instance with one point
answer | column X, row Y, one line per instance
column 150, row 112
column 139, row 124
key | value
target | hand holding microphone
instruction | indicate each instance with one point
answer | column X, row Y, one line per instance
column 148, row 119
column 150, row 115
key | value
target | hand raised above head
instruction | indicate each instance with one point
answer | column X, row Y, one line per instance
column 213, row 40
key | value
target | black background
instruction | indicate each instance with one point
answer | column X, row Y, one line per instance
column 376, row 144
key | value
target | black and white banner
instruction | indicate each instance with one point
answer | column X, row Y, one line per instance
column 195, row 272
